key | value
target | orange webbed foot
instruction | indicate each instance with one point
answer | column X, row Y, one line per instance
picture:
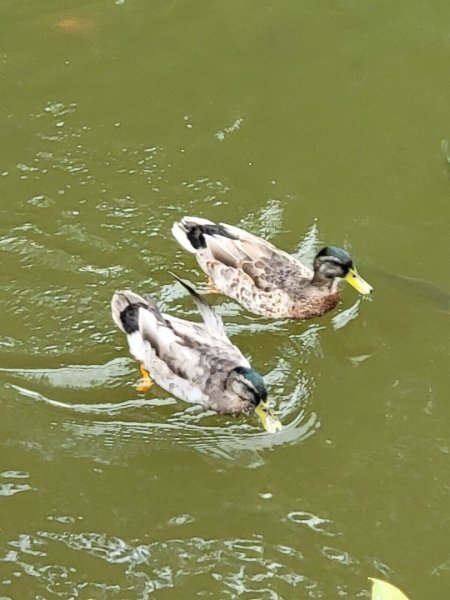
column 211, row 288
column 146, row 382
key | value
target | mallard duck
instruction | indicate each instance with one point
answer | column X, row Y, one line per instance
column 193, row 361
column 262, row 278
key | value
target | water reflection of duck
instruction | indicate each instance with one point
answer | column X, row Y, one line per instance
column 421, row 290
column 264, row 279
column 195, row 362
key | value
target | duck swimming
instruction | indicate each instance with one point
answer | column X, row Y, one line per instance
column 193, row 361
column 264, row 279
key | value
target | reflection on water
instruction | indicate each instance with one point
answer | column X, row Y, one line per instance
column 314, row 522
column 267, row 222
column 74, row 376
column 345, row 316
column 14, row 487
column 223, row 436
column 227, row 568
column 427, row 292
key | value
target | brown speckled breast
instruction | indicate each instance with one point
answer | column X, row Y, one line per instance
column 314, row 306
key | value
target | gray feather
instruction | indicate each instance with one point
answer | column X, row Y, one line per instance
column 212, row 320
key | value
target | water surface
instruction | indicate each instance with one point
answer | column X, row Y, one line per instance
column 308, row 123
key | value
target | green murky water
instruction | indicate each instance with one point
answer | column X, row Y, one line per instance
column 306, row 122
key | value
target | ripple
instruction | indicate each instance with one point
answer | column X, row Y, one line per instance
column 15, row 474
column 193, row 566
column 267, row 222
column 239, row 442
column 73, row 376
column 337, row 555
column 220, row 568
column 209, row 186
column 344, row 317
column 31, row 252
column 90, row 428
column 312, row 521
column 308, row 342
column 14, row 487
column 10, row 489
column 222, row 134
column 308, row 245
column 181, row 520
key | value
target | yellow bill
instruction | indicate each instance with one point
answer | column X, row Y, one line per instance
column 356, row 281
column 269, row 421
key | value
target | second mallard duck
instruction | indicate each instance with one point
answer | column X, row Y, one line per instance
column 194, row 361
column 262, row 278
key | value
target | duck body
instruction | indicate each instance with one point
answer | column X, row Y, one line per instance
column 264, row 279
column 193, row 361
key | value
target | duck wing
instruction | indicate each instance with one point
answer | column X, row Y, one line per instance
column 184, row 359
column 213, row 322
column 255, row 249
column 253, row 264
column 225, row 251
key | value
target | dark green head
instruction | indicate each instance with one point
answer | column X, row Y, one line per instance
column 332, row 264
column 248, row 384
column 249, row 388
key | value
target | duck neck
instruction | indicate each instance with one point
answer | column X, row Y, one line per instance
column 321, row 282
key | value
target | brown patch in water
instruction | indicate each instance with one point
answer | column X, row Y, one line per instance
column 75, row 25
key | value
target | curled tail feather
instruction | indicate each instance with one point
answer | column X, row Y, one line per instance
column 191, row 232
column 125, row 306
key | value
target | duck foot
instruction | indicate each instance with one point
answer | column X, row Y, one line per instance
column 146, row 382
column 211, row 288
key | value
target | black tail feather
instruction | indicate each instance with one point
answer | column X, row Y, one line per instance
column 196, row 232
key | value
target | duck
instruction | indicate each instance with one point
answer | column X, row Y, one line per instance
column 262, row 278
column 195, row 362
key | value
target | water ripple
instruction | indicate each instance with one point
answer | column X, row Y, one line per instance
column 219, row 568
column 224, row 567
column 159, row 419
column 313, row 522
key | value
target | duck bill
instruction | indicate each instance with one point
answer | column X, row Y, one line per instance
column 356, row 281
column 269, row 421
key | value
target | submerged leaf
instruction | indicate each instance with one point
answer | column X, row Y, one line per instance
column 382, row 590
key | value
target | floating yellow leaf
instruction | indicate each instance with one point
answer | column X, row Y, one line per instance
column 382, row 590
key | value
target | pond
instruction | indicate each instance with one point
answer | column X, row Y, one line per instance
column 306, row 123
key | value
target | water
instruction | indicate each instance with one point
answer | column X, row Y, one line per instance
column 307, row 123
